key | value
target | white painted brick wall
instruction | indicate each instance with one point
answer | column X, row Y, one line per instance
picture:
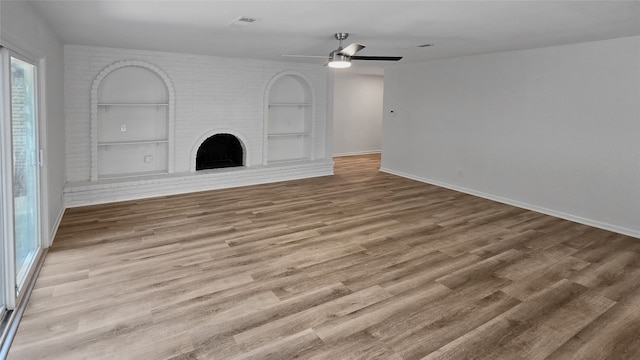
column 211, row 93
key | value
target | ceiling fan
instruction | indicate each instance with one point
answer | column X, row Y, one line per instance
column 341, row 57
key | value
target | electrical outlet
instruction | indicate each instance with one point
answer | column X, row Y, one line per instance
column 123, row 128
column 148, row 159
column 460, row 173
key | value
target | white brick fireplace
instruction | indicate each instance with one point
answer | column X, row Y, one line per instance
column 211, row 95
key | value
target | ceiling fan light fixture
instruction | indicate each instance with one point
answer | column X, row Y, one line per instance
column 341, row 57
column 339, row 61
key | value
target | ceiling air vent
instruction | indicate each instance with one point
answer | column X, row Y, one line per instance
column 242, row 21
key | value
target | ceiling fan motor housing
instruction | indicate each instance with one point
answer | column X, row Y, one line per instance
column 341, row 36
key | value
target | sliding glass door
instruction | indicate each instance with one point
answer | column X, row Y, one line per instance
column 20, row 174
column 25, row 151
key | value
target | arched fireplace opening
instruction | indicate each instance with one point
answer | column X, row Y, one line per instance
column 219, row 151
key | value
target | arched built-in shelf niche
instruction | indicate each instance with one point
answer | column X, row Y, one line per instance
column 289, row 123
column 131, row 121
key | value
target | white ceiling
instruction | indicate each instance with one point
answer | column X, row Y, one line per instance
column 455, row 28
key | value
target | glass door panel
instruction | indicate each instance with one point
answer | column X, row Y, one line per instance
column 25, row 167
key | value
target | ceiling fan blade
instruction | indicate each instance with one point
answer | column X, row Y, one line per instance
column 351, row 49
column 307, row 56
column 380, row 58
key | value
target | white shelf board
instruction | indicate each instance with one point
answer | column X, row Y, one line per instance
column 133, row 104
column 110, row 143
column 292, row 134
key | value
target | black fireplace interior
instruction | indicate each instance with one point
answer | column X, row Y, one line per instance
column 219, row 151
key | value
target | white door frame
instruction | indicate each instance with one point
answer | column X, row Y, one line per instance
column 12, row 297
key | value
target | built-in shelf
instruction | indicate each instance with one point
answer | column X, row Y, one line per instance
column 289, row 122
column 132, row 122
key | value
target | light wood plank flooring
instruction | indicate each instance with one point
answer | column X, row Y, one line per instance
column 361, row 265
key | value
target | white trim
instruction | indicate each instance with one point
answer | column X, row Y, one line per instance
column 11, row 46
column 356, row 153
column 246, row 157
column 516, row 203
column 328, row 129
column 42, row 144
column 6, row 184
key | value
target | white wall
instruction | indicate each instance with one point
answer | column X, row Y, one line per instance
column 211, row 93
column 553, row 129
column 357, row 113
column 23, row 30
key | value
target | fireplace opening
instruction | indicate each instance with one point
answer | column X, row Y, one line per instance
column 219, row 151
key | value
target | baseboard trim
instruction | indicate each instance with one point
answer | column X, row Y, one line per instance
column 56, row 225
column 356, row 153
column 516, row 203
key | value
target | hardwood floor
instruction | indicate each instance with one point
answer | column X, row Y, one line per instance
column 361, row 265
